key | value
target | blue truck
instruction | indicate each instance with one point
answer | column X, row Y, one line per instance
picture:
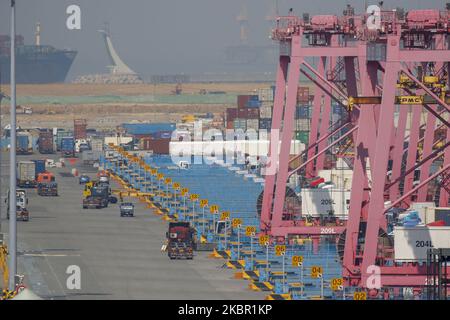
column 68, row 147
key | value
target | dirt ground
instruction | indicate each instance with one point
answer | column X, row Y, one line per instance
column 109, row 115
column 70, row 89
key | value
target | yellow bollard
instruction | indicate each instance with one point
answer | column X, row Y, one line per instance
column 4, row 265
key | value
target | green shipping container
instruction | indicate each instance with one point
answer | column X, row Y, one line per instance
column 303, row 136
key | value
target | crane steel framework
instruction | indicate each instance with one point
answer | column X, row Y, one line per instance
column 400, row 63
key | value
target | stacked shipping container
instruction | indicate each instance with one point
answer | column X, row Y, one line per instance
column 46, row 142
column 60, row 134
column 79, row 129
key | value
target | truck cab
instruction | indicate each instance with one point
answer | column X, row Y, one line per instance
column 96, row 195
column 127, row 209
column 45, row 177
column 47, row 185
column 180, row 240
column 21, row 205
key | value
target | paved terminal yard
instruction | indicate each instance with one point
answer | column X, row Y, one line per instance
column 119, row 258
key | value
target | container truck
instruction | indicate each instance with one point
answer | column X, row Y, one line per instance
column 83, row 147
column 97, row 196
column 21, row 205
column 68, row 147
column 46, row 184
column 90, row 157
column 47, row 189
column 46, row 142
column 180, row 240
column 26, row 175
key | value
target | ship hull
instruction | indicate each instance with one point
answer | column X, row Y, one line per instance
column 38, row 68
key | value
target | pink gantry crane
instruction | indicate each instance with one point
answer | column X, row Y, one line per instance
column 371, row 64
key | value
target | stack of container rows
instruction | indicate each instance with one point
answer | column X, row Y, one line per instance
column 266, row 97
column 246, row 115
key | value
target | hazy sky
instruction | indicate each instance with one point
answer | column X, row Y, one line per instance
column 162, row 36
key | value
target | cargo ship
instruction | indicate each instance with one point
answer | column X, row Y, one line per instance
column 35, row 63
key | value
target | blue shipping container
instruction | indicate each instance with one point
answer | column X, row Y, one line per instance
column 265, row 123
column 148, row 128
column 302, row 112
column 253, row 104
column 40, row 166
column 22, row 143
column 337, row 109
column 67, row 144
column 162, row 135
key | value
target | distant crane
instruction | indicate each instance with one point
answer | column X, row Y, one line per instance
column 242, row 18
column 273, row 13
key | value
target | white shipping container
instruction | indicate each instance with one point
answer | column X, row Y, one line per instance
column 412, row 243
column 90, row 156
column 302, row 124
column 324, row 202
column 118, row 140
column 253, row 124
column 265, row 112
column 265, row 94
column 26, row 171
column 97, row 145
column 240, row 124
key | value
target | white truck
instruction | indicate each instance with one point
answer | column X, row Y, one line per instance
column 21, row 205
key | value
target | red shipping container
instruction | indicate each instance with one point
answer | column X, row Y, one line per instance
column 232, row 113
column 158, row 146
column 242, row 101
column 80, row 128
column 253, row 113
column 242, row 113
column 303, row 94
column 248, row 113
